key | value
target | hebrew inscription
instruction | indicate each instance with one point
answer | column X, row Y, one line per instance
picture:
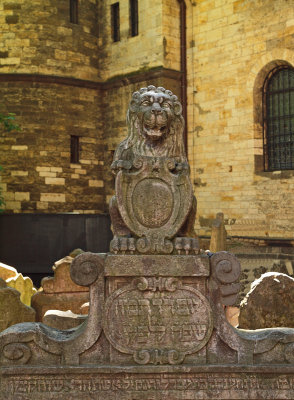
column 158, row 320
column 105, row 386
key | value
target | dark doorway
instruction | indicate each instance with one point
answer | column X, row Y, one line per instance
column 31, row 243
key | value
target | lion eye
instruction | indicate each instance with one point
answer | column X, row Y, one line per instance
column 166, row 105
column 145, row 103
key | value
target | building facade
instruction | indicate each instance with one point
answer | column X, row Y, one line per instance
column 68, row 68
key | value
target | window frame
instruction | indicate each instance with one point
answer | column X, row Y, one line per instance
column 134, row 17
column 74, row 11
column 74, row 149
column 115, row 22
column 268, row 162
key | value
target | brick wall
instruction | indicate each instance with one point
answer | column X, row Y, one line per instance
column 229, row 43
column 231, row 46
column 37, row 37
column 38, row 175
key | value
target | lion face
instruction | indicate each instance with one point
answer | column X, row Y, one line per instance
column 155, row 109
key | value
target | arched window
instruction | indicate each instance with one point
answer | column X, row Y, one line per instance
column 278, row 106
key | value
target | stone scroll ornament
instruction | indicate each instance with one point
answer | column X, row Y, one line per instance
column 153, row 209
column 34, row 343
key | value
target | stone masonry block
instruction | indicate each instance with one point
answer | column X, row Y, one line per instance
column 19, row 173
column 22, row 196
column 54, row 181
column 96, row 183
column 53, row 197
column 20, row 148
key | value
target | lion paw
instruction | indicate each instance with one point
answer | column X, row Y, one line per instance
column 122, row 245
column 186, row 245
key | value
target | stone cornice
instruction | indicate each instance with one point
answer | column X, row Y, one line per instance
column 114, row 82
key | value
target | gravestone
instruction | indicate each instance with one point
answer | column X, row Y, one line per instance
column 269, row 303
column 218, row 240
column 60, row 292
column 6, row 271
column 63, row 319
column 24, row 285
column 12, row 309
column 156, row 327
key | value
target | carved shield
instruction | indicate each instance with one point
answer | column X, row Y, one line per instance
column 153, row 198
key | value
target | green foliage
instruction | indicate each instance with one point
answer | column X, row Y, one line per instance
column 7, row 121
column 8, row 124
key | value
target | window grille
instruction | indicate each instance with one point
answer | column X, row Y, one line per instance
column 279, row 119
column 115, row 26
column 74, row 149
column 134, row 21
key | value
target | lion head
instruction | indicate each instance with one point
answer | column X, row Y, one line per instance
column 155, row 124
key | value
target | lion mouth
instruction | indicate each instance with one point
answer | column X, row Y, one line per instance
column 155, row 132
column 156, row 128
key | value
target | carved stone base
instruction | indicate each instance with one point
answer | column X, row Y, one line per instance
column 222, row 382
column 156, row 330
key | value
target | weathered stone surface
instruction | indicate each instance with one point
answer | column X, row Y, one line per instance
column 116, row 265
column 6, row 271
column 61, row 282
column 12, row 310
column 154, row 199
column 156, row 327
column 232, row 315
column 60, row 292
column 218, row 234
column 269, row 303
column 63, row 319
column 24, row 285
column 158, row 383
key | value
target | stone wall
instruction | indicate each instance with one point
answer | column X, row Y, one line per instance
column 51, row 72
column 131, row 54
column 38, row 37
column 231, row 46
column 38, row 175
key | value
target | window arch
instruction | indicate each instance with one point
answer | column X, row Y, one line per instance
column 278, row 121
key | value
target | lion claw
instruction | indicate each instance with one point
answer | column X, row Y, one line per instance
column 186, row 245
column 122, row 245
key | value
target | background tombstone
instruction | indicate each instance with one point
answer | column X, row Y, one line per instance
column 218, row 240
column 24, row 285
column 269, row 303
column 60, row 292
column 12, row 310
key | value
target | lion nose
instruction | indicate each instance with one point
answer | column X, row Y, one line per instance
column 156, row 109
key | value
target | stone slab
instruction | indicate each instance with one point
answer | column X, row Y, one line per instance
column 144, row 383
column 156, row 265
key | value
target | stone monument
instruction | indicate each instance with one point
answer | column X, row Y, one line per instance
column 156, row 327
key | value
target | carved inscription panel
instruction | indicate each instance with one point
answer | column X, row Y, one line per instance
column 158, row 320
column 152, row 202
column 126, row 386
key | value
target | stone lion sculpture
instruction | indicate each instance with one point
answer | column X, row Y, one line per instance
column 155, row 133
column 155, row 127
